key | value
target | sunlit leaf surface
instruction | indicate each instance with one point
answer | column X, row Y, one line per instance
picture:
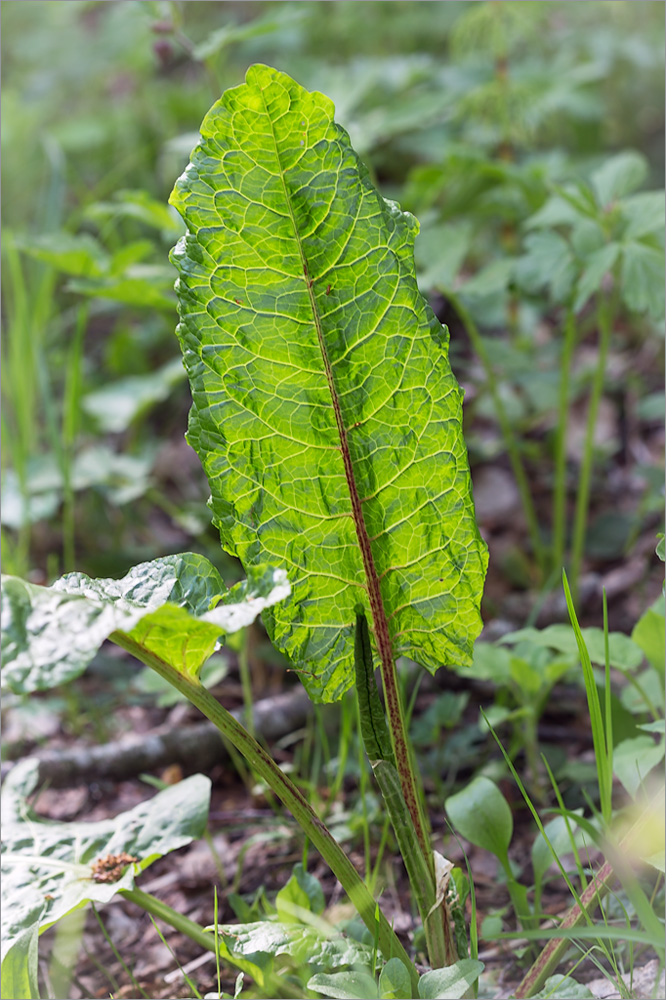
column 325, row 411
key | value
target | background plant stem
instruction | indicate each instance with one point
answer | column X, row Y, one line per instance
column 560, row 490
column 605, row 313
column 510, row 443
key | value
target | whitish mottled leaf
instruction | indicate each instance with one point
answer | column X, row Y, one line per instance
column 325, row 412
column 49, row 869
column 166, row 607
column 317, row 946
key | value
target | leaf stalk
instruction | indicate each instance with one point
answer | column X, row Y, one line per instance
column 318, row 834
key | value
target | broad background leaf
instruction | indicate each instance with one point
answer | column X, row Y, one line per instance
column 297, row 289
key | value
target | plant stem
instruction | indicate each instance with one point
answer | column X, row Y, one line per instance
column 246, row 680
column 286, row 790
column 605, row 325
column 510, row 442
column 560, row 490
column 549, row 958
column 378, row 747
column 172, row 917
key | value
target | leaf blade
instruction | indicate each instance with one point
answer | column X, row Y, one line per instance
column 324, row 409
column 50, row 634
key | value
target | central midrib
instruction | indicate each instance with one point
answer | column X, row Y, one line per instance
column 380, row 622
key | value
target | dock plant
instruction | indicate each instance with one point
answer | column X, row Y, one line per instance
column 329, row 424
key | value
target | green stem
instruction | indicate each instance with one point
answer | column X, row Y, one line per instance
column 418, row 863
column 246, row 680
column 510, row 442
column 560, row 490
column 605, row 325
column 286, row 790
column 551, row 955
column 192, row 930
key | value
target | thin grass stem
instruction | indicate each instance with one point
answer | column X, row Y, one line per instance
column 605, row 313
column 510, row 442
column 560, row 488
column 118, row 957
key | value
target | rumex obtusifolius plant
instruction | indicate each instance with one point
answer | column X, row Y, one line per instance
column 325, row 412
column 329, row 424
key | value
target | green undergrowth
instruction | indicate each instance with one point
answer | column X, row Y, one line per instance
column 325, row 335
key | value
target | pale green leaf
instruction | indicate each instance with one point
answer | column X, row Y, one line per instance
column 143, row 286
column 394, row 981
column 597, row 265
column 116, row 404
column 642, row 278
column 618, row 176
column 440, row 252
column 489, row 280
column 633, row 759
column 48, row 868
column 18, row 975
column 623, row 651
column 165, row 607
column 649, row 633
column 481, row 814
column 564, row 988
column 450, row 983
column 645, row 213
column 302, row 893
column 79, row 254
column 547, row 262
column 137, row 205
column 556, row 211
column 325, row 410
column 560, row 837
column 356, row 985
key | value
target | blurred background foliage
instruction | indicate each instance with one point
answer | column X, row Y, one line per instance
column 528, row 138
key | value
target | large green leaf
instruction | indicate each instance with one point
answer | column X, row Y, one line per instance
column 315, row 946
column 49, row 869
column 325, row 411
column 164, row 607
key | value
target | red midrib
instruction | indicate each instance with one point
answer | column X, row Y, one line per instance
column 380, row 622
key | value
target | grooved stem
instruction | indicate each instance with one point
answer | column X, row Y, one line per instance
column 264, row 765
